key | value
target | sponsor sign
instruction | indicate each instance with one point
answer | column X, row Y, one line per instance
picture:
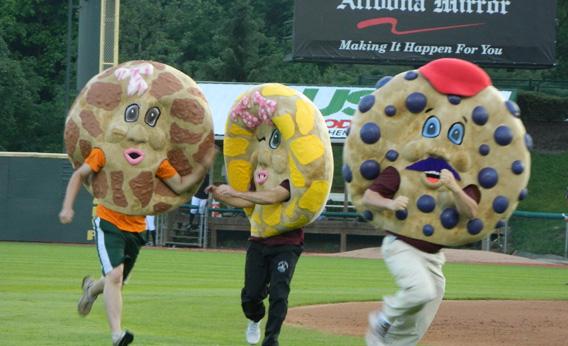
column 504, row 33
column 337, row 104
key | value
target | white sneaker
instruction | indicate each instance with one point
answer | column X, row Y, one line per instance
column 86, row 302
column 378, row 328
column 123, row 339
column 253, row 332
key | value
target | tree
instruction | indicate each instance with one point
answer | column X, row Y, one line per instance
column 32, row 53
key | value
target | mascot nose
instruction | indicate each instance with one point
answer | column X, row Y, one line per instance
column 137, row 134
column 264, row 157
column 415, row 150
column 462, row 161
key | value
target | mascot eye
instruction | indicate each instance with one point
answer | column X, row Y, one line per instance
column 152, row 116
column 131, row 113
column 456, row 132
column 274, row 139
column 431, row 127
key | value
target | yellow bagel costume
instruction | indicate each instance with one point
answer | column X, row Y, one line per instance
column 274, row 133
column 445, row 115
column 139, row 113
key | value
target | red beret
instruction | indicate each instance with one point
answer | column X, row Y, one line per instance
column 455, row 77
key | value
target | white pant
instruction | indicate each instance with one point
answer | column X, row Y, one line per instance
column 150, row 222
column 201, row 203
column 421, row 284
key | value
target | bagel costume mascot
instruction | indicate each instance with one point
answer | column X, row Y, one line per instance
column 140, row 138
column 435, row 157
column 279, row 168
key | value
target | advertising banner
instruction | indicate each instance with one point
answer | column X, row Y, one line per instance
column 337, row 104
column 499, row 33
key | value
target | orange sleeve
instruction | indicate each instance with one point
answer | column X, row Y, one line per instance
column 96, row 159
column 166, row 170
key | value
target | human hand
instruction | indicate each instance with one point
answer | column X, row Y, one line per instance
column 399, row 203
column 225, row 190
column 66, row 216
column 211, row 189
column 447, row 179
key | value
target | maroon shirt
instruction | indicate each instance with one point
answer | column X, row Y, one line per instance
column 388, row 183
column 294, row 237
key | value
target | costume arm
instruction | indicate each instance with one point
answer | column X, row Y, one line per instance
column 180, row 184
column 464, row 203
column 73, row 187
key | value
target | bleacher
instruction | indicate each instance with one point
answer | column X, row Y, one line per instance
column 339, row 218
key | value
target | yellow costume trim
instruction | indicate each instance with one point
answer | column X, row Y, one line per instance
column 304, row 142
column 304, row 117
column 239, row 174
column 307, row 149
column 315, row 196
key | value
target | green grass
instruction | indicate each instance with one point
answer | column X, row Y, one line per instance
column 180, row 297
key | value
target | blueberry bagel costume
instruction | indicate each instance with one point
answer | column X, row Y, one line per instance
column 445, row 115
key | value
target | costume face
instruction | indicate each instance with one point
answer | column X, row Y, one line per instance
column 271, row 158
column 275, row 134
column 417, row 124
column 139, row 114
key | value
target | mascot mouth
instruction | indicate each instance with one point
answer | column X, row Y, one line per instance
column 133, row 156
column 261, row 176
column 431, row 167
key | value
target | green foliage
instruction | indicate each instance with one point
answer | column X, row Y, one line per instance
column 541, row 107
column 547, row 187
column 548, row 182
column 180, row 297
column 211, row 40
column 537, row 236
column 32, row 52
column 560, row 72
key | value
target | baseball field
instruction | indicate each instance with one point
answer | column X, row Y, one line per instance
column 191, row 297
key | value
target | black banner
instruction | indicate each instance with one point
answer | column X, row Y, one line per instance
column 498, row 33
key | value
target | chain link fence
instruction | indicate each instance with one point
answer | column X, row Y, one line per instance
column 533, row 235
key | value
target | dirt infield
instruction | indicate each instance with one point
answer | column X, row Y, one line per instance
column 457, row 256
column 472, row 323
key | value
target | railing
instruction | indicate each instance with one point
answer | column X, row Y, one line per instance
column 548, row 227
column 352, row 223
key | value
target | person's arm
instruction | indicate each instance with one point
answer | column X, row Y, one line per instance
column 73, row 187
column 465, row 204
column 375, row 200
column 271, row 196
column 232, row 201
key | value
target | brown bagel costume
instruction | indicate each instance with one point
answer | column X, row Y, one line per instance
column 445, row 117
column 133, row 129
column 159, row 108
column 489, row 149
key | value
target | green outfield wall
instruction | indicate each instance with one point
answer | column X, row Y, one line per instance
column 32, row 186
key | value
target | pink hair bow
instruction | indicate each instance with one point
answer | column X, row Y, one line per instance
column 136, row 84
column 254, row 110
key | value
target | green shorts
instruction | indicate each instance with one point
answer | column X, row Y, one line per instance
column 116, row 247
